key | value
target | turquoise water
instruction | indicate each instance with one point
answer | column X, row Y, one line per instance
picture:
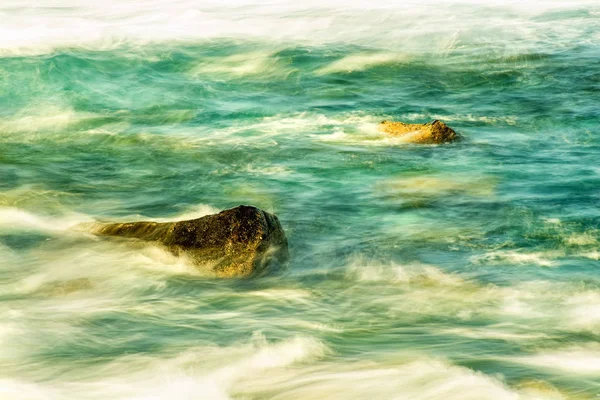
column 460, row 271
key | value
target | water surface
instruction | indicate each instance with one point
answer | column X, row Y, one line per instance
column 460, row 271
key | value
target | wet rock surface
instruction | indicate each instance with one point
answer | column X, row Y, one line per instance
column 239, row 242
column 434, row 132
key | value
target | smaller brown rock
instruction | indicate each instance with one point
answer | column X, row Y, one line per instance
column 434, row 132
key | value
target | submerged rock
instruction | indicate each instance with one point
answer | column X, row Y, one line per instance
column 240, row 242
column 434, row 132
column 63, row 288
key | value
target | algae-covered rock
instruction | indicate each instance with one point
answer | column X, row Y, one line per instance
column 240, row 242
column 434, row 132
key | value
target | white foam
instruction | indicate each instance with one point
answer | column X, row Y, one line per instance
column 257, row 170
column 12, row 389
column 552, row 221
column 592, row 255
column 193, row 212
column 498, row 332
column 43, row 117
column 196, row 373
column 187, row 376
column 305, row 122
column 8, row 330
column 419, row 379
column 437, row 26
column 362, row 269
column 348, row 128
column 542, row 259
column 15, row 219
column 361, row 62
column 508, row 120
column 317, row 326
column 7, row 255
column 283, row 295
column 583, row 311
column 241, row 65
column 582, row 239
column 583, row 360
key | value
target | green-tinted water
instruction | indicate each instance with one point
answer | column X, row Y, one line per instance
column 461, row 271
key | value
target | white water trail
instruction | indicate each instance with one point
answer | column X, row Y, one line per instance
column 440, row 26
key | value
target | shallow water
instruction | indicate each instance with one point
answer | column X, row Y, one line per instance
column 460, row 271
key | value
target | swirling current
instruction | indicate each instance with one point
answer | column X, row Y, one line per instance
column 467, row 270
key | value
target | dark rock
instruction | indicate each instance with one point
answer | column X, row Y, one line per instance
column 434, row 132
column 240, row 242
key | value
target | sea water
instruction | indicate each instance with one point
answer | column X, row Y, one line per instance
column 467, row 270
